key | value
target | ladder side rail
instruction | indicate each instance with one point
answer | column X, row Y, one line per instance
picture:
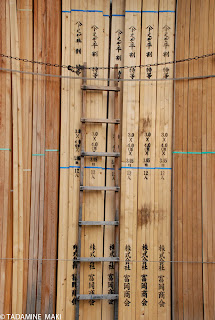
column 83, row 132
column 117, row 194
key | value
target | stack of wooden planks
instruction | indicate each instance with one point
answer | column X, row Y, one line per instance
column 193, row 286
column 166, row 267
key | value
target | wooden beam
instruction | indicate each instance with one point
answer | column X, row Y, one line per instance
column 64, row 162
column 18, row 246
column 38, row 164
column 52, row 125
column 130, row 120
column 25, row 22
column 110, row 308
column 6, row 195
column 147, row 288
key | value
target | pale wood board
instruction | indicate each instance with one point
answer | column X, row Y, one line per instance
column 38, row 165
column 25, row 21
column 146, row 283
column 128, row 211
column 52, row 123
column 95, row 137
column 190, row 168
column 64, row 165
column 213, row 163
column 208, row 293
column 117, row 40
column 163, row 157
column 177, row 174
column 5, row 165
column 18, row 270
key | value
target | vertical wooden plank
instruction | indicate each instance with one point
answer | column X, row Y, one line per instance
column 163, row 157
column 5, row 164
column 213, row 163
column 64, row 164
column 92, row 244
column 52, row 123
column 128, row 212
column 116, row 56
column 207, row 175
column 178, row 169
column 76, row 58
column 38, row 168
column 25, row 20
column 18, row 240
column 146, row 302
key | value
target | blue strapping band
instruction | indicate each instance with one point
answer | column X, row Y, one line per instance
column 147, row 168
column 149, row 11
column 106, row 15
column 118, row 15
column 133, row 11
column 79, row 10
column 91, row 167
column 167, row 11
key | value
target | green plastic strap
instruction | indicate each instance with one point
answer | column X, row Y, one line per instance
column 51, row 150
column 5, row 149
column 193, row 152
column 38, row 154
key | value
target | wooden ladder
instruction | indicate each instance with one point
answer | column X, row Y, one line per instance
column 115, row 188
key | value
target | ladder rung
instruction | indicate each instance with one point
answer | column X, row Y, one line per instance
column 91, row 120
column 99, row 259
column 87, row 188
column 100, row 154
column 100, row 88
column 97, row 296
column 98, row 223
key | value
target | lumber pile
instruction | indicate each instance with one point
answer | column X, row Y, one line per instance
column 193, row 179
column 166, row 164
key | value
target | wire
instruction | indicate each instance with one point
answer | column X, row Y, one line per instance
column 77, row 68
column 106, row 79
